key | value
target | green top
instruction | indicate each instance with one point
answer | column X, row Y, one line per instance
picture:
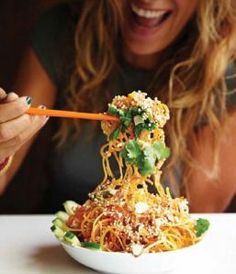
column 75, row 169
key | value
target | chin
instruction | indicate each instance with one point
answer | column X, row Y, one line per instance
column 139, row 49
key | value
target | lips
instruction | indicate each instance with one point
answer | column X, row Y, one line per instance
column 149, row 22
column 148, row 18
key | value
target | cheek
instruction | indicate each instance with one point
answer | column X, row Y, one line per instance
column 185, row 10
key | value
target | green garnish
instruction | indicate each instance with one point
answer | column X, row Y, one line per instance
column 91, row 245
column 115, row 133
column 146, row 124
column 201, row 226
column 69, row 235
column 160, row 150
column 133, row 114
column 145, row 159
column 132, row 153
column 115, row 111
column 71, row 238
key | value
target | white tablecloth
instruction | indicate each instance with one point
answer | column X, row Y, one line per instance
column 28, row 246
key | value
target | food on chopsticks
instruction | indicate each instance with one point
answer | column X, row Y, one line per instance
column 130, row 211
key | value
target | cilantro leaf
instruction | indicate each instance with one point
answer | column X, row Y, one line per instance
column 133, row 114
column 115, row 111
column 148, row 165
column 132, row 153
column 145, row 124
column 125, row 121
column 148, row 161
column 137, row 130
column 136, row 111
column 115, row 133
column 128, row 116
column 149, row 125
column 152, row 153
column 201, row 226
column 160, row 150
column 145, row 159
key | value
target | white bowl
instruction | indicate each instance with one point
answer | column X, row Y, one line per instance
column 125, row 263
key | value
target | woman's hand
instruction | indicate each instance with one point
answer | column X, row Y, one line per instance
column 16, row 127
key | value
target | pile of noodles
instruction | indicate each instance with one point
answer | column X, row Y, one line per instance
column 130, row 211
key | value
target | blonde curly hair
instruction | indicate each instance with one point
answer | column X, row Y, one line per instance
column 192, row 72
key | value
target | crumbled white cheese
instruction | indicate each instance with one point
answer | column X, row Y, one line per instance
column 183, row 206
column 137, row 249
column 112, row 191
column 160, row 221
column 141, row 207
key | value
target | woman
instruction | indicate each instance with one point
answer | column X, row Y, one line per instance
column 81, row 56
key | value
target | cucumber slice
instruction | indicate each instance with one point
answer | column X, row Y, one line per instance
column 91, row 245
column 57, row 231
column 59, row 223
column 72, row 239
column 70, row 207
column 62, row 215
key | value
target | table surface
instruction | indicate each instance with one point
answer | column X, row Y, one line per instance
column 28, row 246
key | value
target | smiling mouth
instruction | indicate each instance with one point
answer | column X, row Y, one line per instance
column 148, row 18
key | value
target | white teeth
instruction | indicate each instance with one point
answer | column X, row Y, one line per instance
column 147, row 13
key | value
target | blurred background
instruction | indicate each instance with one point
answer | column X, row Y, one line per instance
column 16, row 21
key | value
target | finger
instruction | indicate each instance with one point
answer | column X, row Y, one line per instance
column 11, row 110
column 12, row 146
column 36, row 123
column 11, row 97
column 2, row 94
column 12, row 128
column 36, row 128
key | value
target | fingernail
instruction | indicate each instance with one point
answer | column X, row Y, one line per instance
column 28, row 100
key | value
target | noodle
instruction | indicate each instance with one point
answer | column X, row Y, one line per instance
column 130, row 211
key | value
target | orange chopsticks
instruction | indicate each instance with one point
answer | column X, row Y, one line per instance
column 71, row 114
